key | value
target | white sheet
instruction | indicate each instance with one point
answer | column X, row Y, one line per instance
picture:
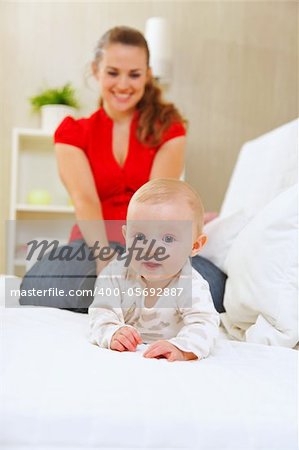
column 59, row 391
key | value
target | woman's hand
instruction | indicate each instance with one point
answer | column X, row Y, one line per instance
column 102, row 263
column 164, row 349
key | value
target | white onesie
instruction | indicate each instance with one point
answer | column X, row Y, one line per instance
column 184, row 313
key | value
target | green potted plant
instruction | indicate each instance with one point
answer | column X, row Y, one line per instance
column 54, row 104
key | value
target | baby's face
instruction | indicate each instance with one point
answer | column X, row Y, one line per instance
column 162, row 231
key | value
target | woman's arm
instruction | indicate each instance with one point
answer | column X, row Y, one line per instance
column 76, row 175
column 170, row 159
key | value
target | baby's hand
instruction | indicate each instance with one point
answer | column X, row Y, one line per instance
column 164, row 349
column 125, row 339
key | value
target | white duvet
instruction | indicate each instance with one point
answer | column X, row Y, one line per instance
column 61, row 392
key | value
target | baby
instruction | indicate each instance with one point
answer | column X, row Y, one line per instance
column 155, row 296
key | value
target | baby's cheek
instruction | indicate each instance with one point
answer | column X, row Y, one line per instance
column 177, row 255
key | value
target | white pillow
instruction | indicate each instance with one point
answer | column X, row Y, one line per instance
column 261, row 291
column 221, row 233
column 265, row 168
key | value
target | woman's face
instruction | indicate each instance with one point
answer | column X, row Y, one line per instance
column 122, row 74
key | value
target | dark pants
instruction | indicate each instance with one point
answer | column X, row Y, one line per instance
column 59, row 280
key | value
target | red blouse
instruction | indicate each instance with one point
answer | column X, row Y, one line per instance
column 115, row 184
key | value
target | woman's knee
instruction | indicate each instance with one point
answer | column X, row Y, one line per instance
column 215, row 277
column 59, row 282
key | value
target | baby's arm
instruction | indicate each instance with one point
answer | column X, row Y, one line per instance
column 104, row 322
column 196, row 338
column 201, row 322
column 106, row 315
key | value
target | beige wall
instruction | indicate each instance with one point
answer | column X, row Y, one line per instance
column 235, row 72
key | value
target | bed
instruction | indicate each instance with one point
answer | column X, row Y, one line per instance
column 60, row 392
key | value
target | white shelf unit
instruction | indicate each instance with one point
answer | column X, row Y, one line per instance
column 34, row 168
column 44, row 208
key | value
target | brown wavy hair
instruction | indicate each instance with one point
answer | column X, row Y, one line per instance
column 156, row 115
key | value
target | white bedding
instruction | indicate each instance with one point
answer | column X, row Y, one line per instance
column 61, row 392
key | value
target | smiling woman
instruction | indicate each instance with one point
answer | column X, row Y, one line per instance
column 133, row 137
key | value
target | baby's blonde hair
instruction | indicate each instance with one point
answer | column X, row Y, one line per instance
column 161, row 190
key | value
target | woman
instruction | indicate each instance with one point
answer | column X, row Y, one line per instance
column 132, row 138
column 104, row 159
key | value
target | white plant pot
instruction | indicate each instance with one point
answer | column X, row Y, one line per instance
column 52, row 115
